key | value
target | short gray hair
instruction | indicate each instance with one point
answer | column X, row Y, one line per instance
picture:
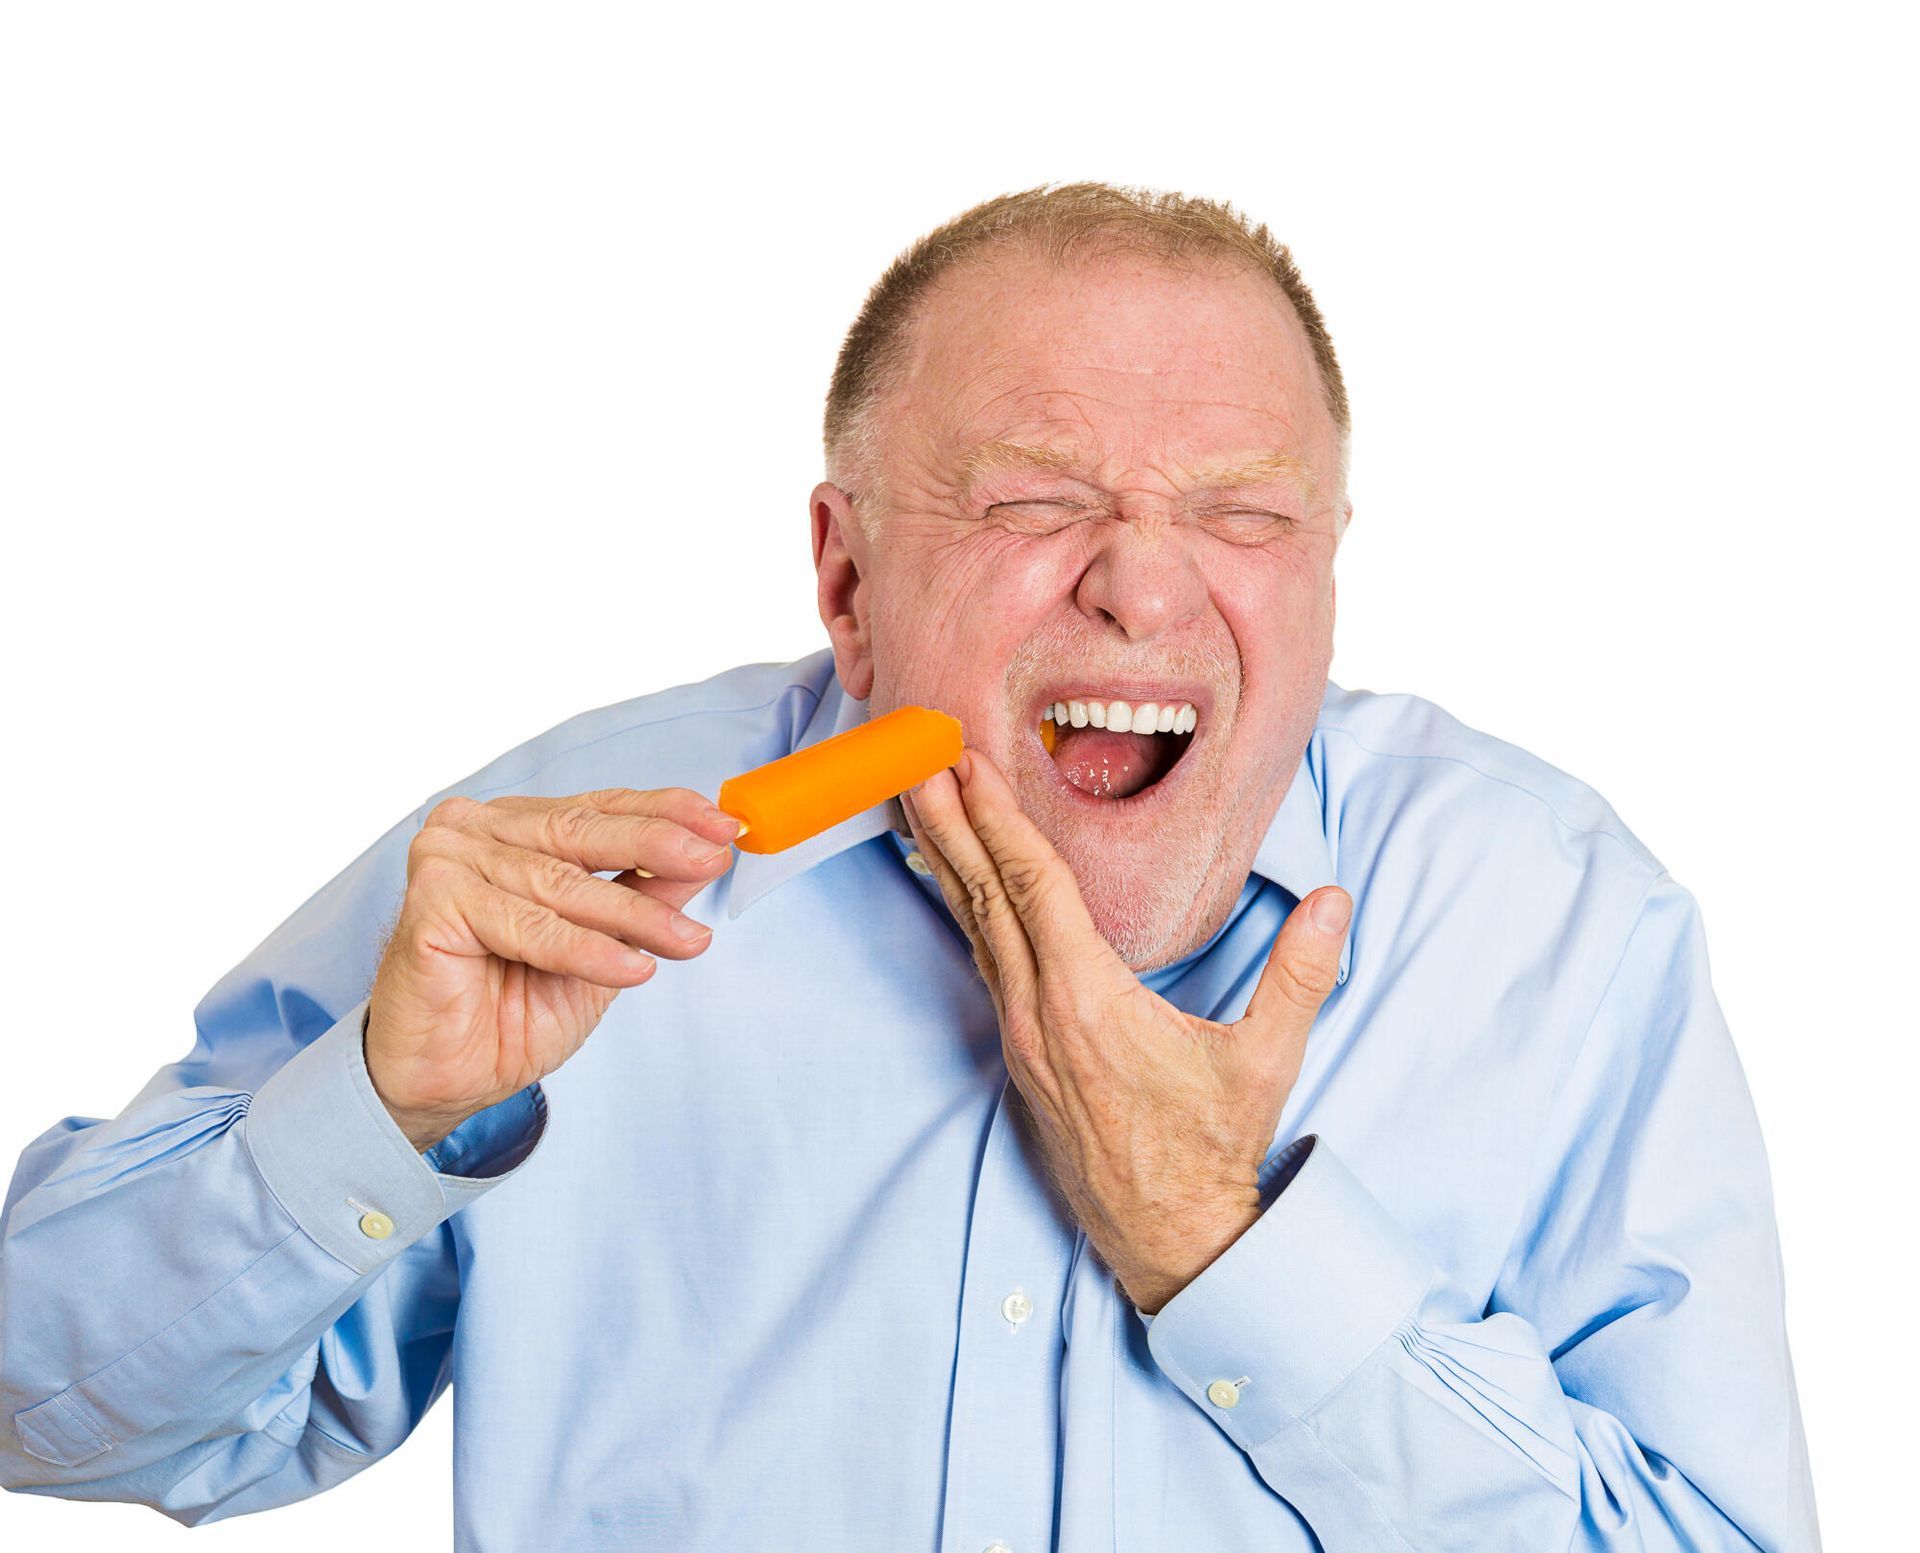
column 1060, row 221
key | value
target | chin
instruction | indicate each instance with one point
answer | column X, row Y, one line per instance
column 1146, row 866
column 1149, row 912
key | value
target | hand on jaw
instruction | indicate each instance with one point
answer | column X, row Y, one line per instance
column 1153, row 1123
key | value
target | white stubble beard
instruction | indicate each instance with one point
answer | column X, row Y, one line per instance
column 1149, row 909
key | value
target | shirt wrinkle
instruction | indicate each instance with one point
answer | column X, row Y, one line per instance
column 769, row 1260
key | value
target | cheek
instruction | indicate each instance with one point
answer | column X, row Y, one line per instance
column 1282, row 595
column 974, row 596
column 1280, row 612
column 949, row 614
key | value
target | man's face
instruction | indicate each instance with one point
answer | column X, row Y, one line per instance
column 1115, row 564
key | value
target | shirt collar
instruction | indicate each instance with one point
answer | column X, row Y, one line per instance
column 1293, row 853
column 756, row 873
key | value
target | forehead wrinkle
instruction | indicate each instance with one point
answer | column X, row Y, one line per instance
column 1001, row 453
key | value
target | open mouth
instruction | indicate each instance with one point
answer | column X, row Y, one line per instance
column 1116, row 751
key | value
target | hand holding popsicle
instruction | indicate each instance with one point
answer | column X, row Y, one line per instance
column 509, row 949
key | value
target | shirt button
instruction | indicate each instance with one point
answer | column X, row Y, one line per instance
column 1016, row 1307
column 996, row 1547
column 1223, row 1393
column 375, row 1225
column 918, row 863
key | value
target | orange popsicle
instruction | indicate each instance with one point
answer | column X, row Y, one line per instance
column 787, row 800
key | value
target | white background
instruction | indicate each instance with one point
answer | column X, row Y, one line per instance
column 380, row 385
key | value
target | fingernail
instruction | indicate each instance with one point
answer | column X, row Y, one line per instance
column 1331, row 911
column 700, row 851
column 963, row 768
column 686, row 929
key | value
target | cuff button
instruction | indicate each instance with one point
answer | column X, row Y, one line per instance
column 1223, row 1393
column 375, row 1225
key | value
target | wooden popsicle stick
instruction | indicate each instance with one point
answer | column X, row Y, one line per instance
column 744, row 828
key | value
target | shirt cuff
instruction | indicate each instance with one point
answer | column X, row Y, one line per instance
column 1294, row 1306
column 337, row 1161
column 1274, row 1176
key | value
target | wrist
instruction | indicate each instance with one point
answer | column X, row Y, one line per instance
column 424, row 1126
column 423, row 1130
column 1152, row 1286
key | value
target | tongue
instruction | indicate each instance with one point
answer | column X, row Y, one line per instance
column 1108, row 764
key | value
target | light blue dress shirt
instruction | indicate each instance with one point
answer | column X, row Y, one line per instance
column 769, row 1264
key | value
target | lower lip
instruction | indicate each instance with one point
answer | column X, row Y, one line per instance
column 1146, row 802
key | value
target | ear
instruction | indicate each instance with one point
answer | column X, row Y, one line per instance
column 840, row 556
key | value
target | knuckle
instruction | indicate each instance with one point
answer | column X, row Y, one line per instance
column 569, row 826
column 529, row 922
column 651, row 831
column 1311, row 982
column 649, row 917
column 422, row 928
column 553, row 878
column 628, row 800
column 1025, row 877
column 451, row 810
column 665, row 841
column 955, row 895
column 416, row 943
column 430, row 872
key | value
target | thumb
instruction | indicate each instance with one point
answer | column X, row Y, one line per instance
column 1304, row 962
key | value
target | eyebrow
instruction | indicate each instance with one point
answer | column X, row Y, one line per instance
column 1260, row 469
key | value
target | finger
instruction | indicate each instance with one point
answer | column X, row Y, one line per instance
column 673, row 844
column 958, row 904
column 1303, row 965
column 527, row 933
column 1037, row 880
column 672, row 892
column 944, row 817
column 591, row 902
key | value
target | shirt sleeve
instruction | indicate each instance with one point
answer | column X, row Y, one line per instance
column 241, row 1290
column 1628, row 1383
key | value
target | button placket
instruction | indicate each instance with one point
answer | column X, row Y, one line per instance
column 1006, row 1397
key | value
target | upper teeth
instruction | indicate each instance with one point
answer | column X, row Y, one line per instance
column 1125, row 717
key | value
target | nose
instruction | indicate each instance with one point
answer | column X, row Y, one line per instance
column 1142, row 578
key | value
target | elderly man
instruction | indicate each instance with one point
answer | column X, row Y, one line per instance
column 1274, row 1117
